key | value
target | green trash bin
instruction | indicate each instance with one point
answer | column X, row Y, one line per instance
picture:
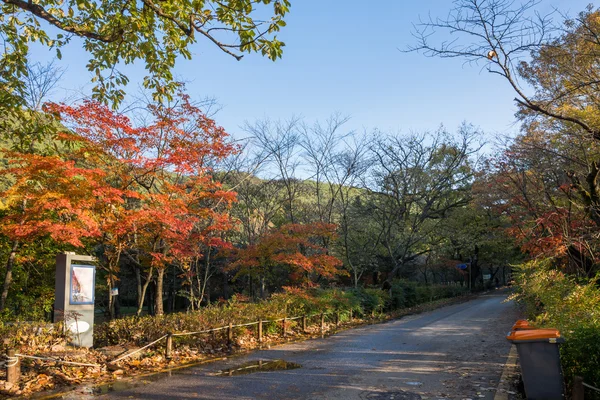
column 540, row 362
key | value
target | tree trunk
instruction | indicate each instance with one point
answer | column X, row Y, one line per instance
column 197, row 295
column 262, row 287
column 203, row 289
column 474, row 267
column 158, row 297
column 111, row 304
column 138, row 280
column 143, row 292
column 8, row 276
column 113, row 266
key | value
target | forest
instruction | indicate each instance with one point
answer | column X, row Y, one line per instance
column 180, row 215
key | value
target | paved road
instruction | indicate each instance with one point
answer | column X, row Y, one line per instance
column 456, row 352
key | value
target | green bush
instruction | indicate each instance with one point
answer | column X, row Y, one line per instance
column 37, row 307
column 371, row 300
column 580, row 355
column 408, row 290
column 553, row 299
column 409, row 294
column 291, row 303
column 398, row 296
column 424, row 294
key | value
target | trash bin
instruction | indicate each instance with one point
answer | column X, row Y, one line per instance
column 540, row 362
column 522, row 324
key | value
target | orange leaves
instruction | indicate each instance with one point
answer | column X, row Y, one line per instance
column 52, row 197
column 541, row 190
column 111, row 178
column 296, row 247
column 165, row 165
column 179, row 139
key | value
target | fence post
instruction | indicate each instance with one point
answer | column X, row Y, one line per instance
column 578, row 390
column 169, row 346
column 337, row 319
column 322, row 323
column 350, row 318
column 13, row 368
column 260, row 329
column 230, row 334
column 284, row 326
column 304, row 324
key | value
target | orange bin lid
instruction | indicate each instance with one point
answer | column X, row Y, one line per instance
column 533, row 334
column 522, row 324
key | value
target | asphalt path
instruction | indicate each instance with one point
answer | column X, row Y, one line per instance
column 455, row 352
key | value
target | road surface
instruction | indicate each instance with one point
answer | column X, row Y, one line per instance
column 456, row 352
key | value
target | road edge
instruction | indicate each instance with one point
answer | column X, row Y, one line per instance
column 509, row 369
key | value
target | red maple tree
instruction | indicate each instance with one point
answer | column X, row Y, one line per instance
column 164, row 170
column 51, row 195
column 294, row 249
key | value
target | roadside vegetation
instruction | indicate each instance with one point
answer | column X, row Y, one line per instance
column 555, row 299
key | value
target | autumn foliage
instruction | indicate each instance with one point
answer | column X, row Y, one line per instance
column 146, row 188
column 294, row 249
column 545, row 212
column 52, row 197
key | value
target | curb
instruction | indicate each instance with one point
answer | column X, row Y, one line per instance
column 509, row 368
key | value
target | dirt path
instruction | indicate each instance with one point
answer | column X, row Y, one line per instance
column 455, row 352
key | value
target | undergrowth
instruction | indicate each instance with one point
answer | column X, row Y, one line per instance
column 554, row 299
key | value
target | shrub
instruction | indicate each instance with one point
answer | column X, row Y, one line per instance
column 29, row 307
column 409, row 294
column 397, row 295
column 409, row 291
column 371, row 300
column 424, row 294
column 553, row 299
column 293, row 302
column 580, row 355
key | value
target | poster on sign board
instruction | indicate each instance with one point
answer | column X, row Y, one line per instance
column 82, row 284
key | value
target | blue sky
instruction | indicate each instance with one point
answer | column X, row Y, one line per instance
column 343, row 56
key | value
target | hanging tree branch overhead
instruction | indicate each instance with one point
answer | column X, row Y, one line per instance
column 501, row 34
column 123, row 31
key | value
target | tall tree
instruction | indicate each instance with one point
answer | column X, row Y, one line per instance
column 50, row 196
column 322, row 144
column 416, row 182
column 167, row 163
column 280, row 144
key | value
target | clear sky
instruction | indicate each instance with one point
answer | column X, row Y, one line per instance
column 343, row 56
